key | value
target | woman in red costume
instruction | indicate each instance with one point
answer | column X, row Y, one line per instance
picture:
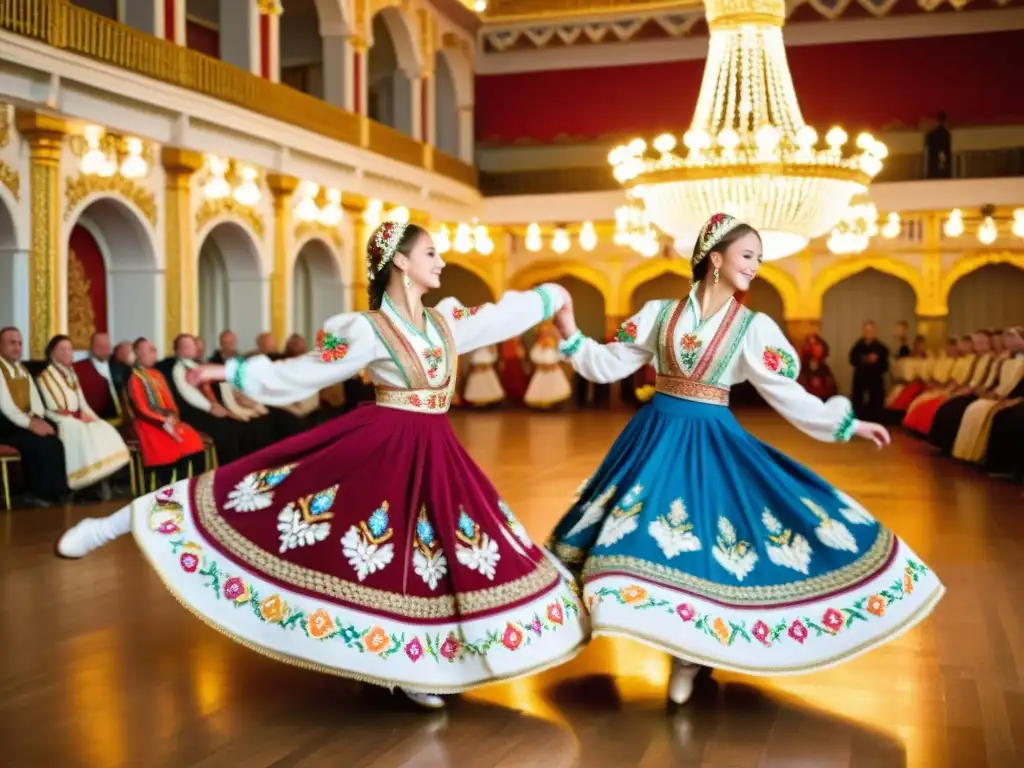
column 815, row 375
column 512, row 370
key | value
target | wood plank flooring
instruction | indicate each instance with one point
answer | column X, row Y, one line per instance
column 100, row 668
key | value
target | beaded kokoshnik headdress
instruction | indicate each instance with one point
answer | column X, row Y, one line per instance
column 383, row 245
column 716, row 228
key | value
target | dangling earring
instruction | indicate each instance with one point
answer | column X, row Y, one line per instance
column 406, row 281
column 716, row 275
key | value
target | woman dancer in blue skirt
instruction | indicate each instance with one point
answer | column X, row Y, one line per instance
column 695, row 537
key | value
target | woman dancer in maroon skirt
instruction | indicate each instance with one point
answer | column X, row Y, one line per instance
column 371, row 547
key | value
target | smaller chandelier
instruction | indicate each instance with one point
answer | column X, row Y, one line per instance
column 854, row 231
column 633, row 229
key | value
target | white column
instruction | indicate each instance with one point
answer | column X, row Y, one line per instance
column 240, row 35
column 273, row 42
column 14, row 310
column 429, row 108
column 415, row 105
column 339, row 75
column 466, row 133
column 144, row 15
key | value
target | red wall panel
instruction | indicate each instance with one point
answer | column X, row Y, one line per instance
column 976, row 79
column 203, row 39
column 89, row 254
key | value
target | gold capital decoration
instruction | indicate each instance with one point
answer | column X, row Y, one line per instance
column 181, row 263
column 282, row 188
column 45, row 134
column 354, row 206
column 9, row 177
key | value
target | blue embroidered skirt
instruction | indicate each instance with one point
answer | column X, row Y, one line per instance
column 695, row 537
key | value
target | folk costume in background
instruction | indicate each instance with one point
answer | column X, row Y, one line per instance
column 971, row 374
column 96, row 379
column 483, row 387
column 815, row 375
column 371, row 547
column 93, row 448
column 933, row 376
column 950, row 414
column 42, row 458
column 171, row 449
column 549, row 386
column 922, row 409
column 513, row 371
column 976, row 427
column 694, row 537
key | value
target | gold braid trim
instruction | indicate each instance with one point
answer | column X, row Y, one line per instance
column 872, row 561
column 462, row 604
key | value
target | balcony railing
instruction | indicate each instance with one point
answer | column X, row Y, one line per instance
column 75, row 29
column 968, row 164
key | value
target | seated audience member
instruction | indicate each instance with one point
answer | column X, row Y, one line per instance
column 227, row 348
column 920, row 412
column 972, row 439
column 949, row 415
column 23, row 426
column 121, row 364
column 93, row 449
column 97, row 380
column 199, row 406
column 200, row 349
column 171, row 449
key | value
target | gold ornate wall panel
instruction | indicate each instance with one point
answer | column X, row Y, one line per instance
column 181, row 273
column 282, row 188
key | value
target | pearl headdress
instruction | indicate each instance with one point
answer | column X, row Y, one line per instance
column 383, row 245
column 717, row 227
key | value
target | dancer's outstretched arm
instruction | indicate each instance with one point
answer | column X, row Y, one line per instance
column 345, row 346
column 513, row 314
column 635, row 345
column 771, row 364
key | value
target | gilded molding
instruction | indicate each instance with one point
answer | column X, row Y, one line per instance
column 180, row 267
column 11, row 179
column 80, row 187
column 211, row 209
column 305, row 230
column 45, row 134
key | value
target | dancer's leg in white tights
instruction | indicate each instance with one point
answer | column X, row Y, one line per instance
column 93, row 532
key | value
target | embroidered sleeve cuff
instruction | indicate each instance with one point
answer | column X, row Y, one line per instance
column 844, row 429
column 551, row 298
column 234, row 373
column 571, row 346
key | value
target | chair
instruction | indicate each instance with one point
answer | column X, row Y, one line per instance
column 7, row 455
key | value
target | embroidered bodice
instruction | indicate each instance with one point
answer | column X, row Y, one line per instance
column 702, row 358
column 412, row 369
column 61, row 391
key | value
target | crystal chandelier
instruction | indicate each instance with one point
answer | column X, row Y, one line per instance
column 749, row 152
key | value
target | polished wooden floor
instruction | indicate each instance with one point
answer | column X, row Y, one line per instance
column 100, row 667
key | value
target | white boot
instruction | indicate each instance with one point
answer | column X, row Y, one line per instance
column 680, row 684
column 93, row 532
column 425, row 700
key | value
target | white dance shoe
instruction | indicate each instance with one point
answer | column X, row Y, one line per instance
column 425, row 700
column 90, row 534
column 680, row 684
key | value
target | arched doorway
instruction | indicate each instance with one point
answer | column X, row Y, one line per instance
column 302, row 48
column 667, row 285
column 13, row 274
column 446, row 107
column 112, row 278
column 461, row 283
column 389, row 86
column 317, row 290
column 763, row 297
column 867, row 295
column 987, row 298
column 232, row 289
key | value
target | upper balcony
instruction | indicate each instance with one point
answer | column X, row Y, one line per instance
column 377, row 103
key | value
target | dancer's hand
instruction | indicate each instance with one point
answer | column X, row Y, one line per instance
column 204, row 373
column 876, row 433
column 565, row 321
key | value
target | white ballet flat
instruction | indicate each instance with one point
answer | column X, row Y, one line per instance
column 680, row 684
column 425, row 700
column 81, row 539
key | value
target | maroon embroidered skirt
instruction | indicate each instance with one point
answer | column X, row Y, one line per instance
column 371, row 547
